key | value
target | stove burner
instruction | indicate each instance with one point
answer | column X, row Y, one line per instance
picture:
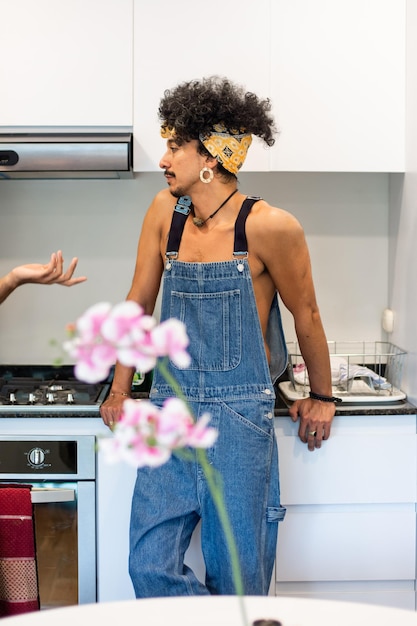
column 46, row 390
column 30, row 392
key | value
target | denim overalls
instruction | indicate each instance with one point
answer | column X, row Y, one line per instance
column 229, row 377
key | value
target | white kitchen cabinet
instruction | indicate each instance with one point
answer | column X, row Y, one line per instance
column 335, row 72
column 354, row 543
column 350, row 528
column 66, row 63
column 338, row 83
column 338, row 541
column 224, row 38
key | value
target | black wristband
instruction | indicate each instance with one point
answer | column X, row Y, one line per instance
column 317, row 396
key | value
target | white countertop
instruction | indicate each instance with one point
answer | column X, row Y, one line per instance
column 221, row 611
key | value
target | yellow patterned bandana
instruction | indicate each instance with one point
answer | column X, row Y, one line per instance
column 167, row 132
column 229, row 147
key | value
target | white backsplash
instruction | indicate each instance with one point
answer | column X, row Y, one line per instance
column 345, row 217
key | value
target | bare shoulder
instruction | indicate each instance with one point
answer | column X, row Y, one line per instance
column 163, row 202
column 159, row 211
column 269, row 224
column 278, row 250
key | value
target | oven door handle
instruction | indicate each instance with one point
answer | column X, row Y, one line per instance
column 40, row 495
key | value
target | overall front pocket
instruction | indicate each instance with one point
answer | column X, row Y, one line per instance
column 213, row 323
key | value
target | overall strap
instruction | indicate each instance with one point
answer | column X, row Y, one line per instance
column 183, row 208
column 179, row 217
column 241, row 245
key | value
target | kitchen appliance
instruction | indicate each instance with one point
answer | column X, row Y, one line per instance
column 362, row 372
column 48, row 391
column 61, row 470
column 72, row 153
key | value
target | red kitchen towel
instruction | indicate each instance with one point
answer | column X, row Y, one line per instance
column 18, row 574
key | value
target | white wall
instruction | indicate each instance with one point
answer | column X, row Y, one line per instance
column 345, row 217
column 403, row 225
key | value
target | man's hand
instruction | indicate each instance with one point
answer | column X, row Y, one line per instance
column 111, row 409
column 315, row 420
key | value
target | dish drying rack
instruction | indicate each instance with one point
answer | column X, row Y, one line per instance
column 362, row 371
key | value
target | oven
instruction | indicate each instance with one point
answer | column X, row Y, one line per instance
column 61, row 470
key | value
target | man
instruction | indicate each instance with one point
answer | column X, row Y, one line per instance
column 223, row 259
column 51, row 273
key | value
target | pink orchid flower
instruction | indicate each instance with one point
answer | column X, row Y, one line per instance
column 170, row 339
column 94, row 362
column 121, row 321
column 129, row 329
column 94, row 356
column 89, row 325
column 104, row 335
column 146, row 435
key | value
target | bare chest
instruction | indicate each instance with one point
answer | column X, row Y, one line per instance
column 217, row 245
column 203, row 245
column 212, row 246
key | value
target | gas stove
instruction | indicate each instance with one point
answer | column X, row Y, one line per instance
column 48, row 391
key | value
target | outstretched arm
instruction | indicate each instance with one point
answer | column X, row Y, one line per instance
column 49, row 274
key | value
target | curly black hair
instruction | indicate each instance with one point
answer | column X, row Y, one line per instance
column 194, row 107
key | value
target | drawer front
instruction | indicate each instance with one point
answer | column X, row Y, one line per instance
column 359, row 468
column 341, row 543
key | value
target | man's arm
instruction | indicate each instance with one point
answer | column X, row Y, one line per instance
column 286, row 257
column 144, row 290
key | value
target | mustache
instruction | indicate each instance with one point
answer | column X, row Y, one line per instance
column 168, row 173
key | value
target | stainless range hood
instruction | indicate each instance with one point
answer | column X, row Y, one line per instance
column 75, row 154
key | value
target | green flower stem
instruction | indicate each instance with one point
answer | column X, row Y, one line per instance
column 171, row 380
column 216, row 490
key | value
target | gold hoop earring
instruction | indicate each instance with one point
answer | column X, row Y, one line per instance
column 209, row 178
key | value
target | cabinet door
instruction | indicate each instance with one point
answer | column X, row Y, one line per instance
column 350, row 469
column 367, row 460
column 347, row 543
column 350, row 505
column 338, row 85
column 189, row 42
column 335, row 72
column 66, row 63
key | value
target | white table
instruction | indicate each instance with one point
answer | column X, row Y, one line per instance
column 220, row 611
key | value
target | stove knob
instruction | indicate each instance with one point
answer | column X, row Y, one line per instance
column 12, row 398
column 50, row 398
column 36, row 456
column 70, row 398
column 32, row 398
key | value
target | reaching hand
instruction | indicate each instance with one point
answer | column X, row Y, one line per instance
column 49, row 274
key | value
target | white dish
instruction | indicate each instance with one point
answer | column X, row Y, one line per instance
column 359, row 393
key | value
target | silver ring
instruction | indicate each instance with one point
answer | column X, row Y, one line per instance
column 313, row 433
